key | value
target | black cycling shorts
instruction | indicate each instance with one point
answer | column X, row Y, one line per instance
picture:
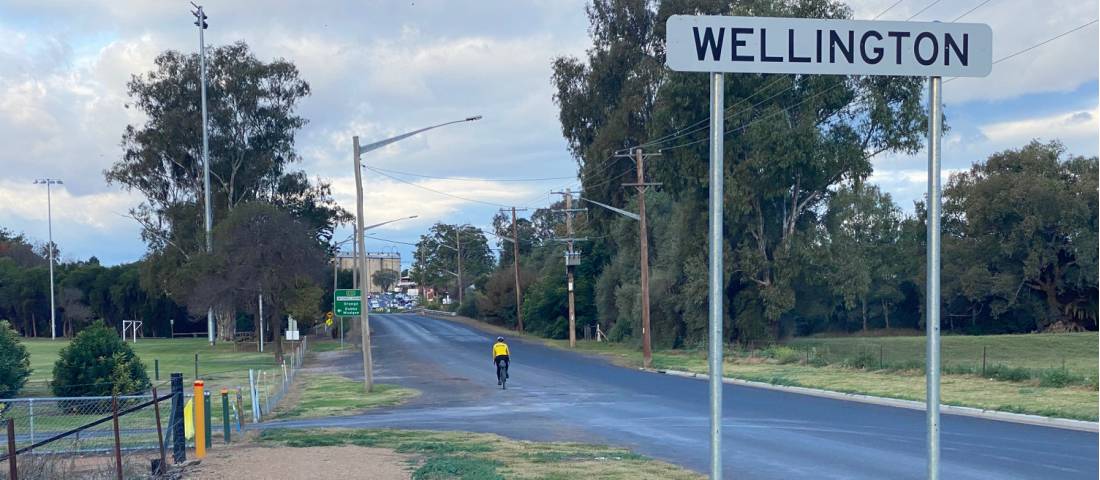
column 501, row 358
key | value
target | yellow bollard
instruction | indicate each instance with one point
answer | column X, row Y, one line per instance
column 200, row 417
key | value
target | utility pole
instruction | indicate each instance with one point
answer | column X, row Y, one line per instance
column 364, row 312
column 49, row 227
column 515, row 267
column 572, row 259
column 458, row 260
column 200, row 21
column 643, row 242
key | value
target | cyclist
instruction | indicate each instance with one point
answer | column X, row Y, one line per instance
column 500, row 358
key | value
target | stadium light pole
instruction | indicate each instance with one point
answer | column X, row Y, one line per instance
column 357, row 152
column 208, row 218
column 49, row 226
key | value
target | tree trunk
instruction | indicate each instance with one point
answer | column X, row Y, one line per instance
column 886, row 313
column 276, row 322
column 863, row 309
column 227, row 324
column 34, row 325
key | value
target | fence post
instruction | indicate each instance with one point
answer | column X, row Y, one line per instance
column 881, row 357
column 31, row 412
column 983, row 360
column 252, row 395
column 207, row 411
column 198, row 417
column 225, row 415
column 196, row 366
column 118, row 446
column 13, row 469
column 156, row 369
column 160, row 436
column 179, row 441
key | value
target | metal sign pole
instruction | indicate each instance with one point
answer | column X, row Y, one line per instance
column 932, row 305
column 717, row 127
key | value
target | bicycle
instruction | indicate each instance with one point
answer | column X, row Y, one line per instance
column 502, row 367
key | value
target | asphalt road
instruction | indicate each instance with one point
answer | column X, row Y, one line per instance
column 557, row 395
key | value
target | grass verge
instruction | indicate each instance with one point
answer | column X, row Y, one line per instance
column 476, row 456
column 1052, row 375
column 333, row 395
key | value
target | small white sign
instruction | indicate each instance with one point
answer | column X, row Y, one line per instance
column 830, row 47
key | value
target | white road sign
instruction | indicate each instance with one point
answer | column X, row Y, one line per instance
column 832, row 47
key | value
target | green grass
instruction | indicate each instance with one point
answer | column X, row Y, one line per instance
column 328, row 346
column 220, row 367
column 1037, row 352
column 474, row 456
column 1020, row 385
column 332, row 395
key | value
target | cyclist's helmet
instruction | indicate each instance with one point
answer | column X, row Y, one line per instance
column 500, row 339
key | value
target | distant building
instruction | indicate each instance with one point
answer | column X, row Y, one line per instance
column 375, row 261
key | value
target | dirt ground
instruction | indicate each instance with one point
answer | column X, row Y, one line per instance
column 315, row 463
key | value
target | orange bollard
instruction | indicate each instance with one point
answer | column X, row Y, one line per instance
column 199, row 418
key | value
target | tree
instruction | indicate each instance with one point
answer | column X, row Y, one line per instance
column 385, row 278
column 15, row 362
column 253, row 122
column 259, row 248
column 792, row 140
column 98, row 363
column 436, row 256
column 863, row 231
column 1022, row 228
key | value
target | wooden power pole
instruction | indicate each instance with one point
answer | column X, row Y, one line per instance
column 572, row 259
column 643, row 243
column 364, row 309
column 515, row 266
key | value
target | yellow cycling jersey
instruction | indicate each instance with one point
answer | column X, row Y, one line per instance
column 500, row 348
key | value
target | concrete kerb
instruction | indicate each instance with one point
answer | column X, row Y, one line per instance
column 1064, row 423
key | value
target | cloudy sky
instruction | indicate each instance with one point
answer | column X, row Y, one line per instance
column 381, row 68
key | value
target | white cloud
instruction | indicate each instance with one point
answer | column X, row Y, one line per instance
column 1068, row 126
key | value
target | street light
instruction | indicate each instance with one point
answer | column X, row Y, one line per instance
column 357, row 151
column 647, row 349
column 49, row 225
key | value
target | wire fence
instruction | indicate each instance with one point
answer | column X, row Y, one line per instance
column 123, row 436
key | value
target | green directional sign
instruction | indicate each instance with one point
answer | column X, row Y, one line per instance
column 348, row 303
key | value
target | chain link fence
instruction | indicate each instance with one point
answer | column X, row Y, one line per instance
column 75, row 437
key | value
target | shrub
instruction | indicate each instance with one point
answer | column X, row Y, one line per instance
column 1058, row 378
column 782, row 354
column 862, row 361
column 15, row 362
column 468, row 308
column 1008, row 374
column 98, row 363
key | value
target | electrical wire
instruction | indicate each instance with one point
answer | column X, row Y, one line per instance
column 887, row 9
column 930, row 5
column 398, row 172
column 437, row 191
column 968, row 12
column 726, row 111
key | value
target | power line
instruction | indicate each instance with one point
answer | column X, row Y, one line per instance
column 1044, row 42
column 754, row 121
column 930, row 5
column 468, row 178
column 887, row 9
column 968, row 12
column 707, row 120
column 384, row 174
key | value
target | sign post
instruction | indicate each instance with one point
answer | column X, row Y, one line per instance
column 717, row 44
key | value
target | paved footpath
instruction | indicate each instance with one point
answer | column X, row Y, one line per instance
column 559, row 395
